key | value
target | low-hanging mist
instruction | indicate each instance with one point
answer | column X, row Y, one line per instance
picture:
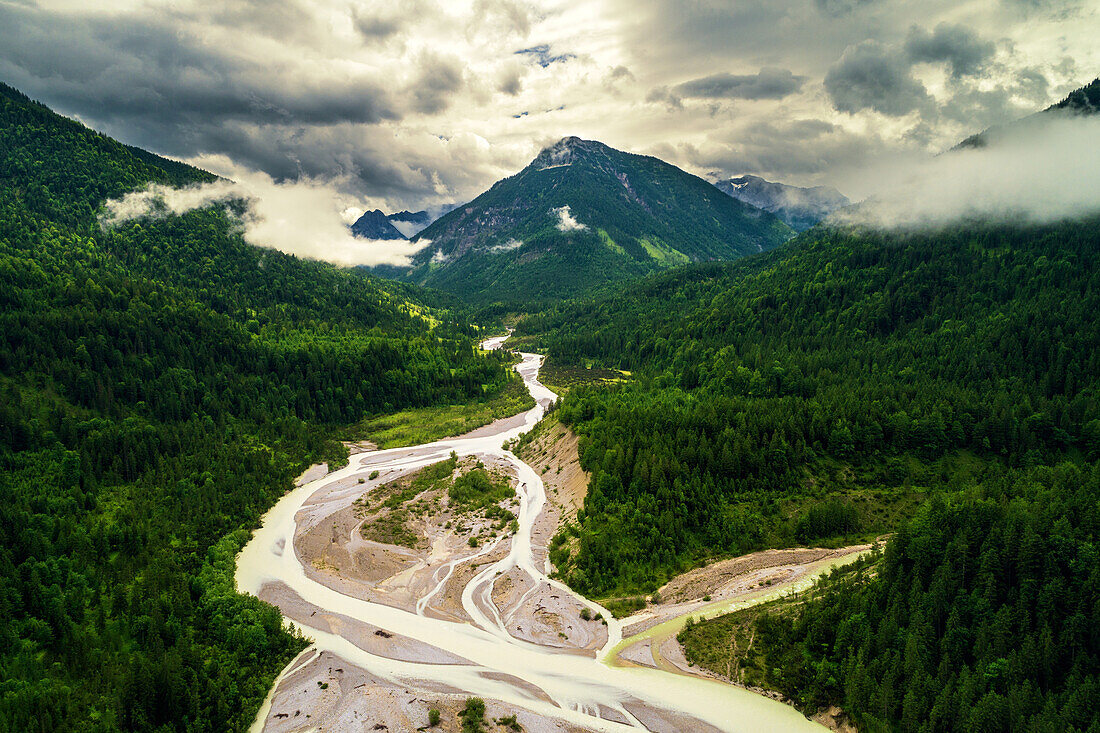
column 304, row 217
column 1044, row 169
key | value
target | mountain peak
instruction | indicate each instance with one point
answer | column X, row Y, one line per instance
column 739, row 181
column 583, row 214
column 375, row 225
column 569, row 150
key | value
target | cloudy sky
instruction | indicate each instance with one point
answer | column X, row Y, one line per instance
column 414, row 103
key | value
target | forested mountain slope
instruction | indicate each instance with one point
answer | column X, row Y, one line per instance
column 581, row 214
column 774, row 396
column 160, row 385
column 800, row 208
column 845, row 346
column 981, row 616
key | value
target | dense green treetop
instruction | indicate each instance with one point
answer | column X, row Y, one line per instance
column 754, row 381
column 980, row 616
column 160, row 385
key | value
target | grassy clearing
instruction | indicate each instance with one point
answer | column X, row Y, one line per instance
column 561, row 379
column 390, row 505
column 393, row 510
column 664, row 254
column 623, row 607
column 391, row 528
column 608, row 242
column 426, row 424
column 478, row 489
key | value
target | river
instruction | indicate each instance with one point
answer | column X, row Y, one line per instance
column 581, row 690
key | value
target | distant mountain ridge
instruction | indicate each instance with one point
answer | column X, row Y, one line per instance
column 402, row 225
column 413, row 217
column 581, row 214
column 411, row 223
column 1083, row 102
column 375, row 225
column 800, row 208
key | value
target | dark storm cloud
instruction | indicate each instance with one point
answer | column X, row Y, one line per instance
column 510, row 82
column 621, row 72
column 871, row 75
column 439, row 79
column 980, row 106
column 1048, row 8
column 768, row 83
column 374, row 27
column 109, row 69
column 362, row 164
column 378, row 21
column 162, row 88
column 278, row 19
column 778, row 149
column 958, row 46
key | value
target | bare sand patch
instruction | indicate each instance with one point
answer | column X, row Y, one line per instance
column 663, row 721
column 730, row 576
column 374, row 639
column 355, row 447
column 326, row 693
column 640, row 654
column 448, row 601
column 314, row 472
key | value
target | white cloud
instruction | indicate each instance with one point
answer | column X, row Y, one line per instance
column 408, row 228
column 566, row 222
column 508, row 246
column 307, row 218
column 1039, row 172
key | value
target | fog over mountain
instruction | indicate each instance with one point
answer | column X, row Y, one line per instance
column 1043, row 170
column 800, row 208
column 304, row 218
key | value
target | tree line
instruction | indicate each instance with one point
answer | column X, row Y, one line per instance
column 160, row 385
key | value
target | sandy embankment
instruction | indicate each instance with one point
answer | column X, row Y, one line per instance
column 553, row 455
column 732, row 580
column 545, row 615
column 649, row 636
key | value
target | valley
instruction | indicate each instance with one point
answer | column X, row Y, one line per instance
column 471, row 618
column 750, row 456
